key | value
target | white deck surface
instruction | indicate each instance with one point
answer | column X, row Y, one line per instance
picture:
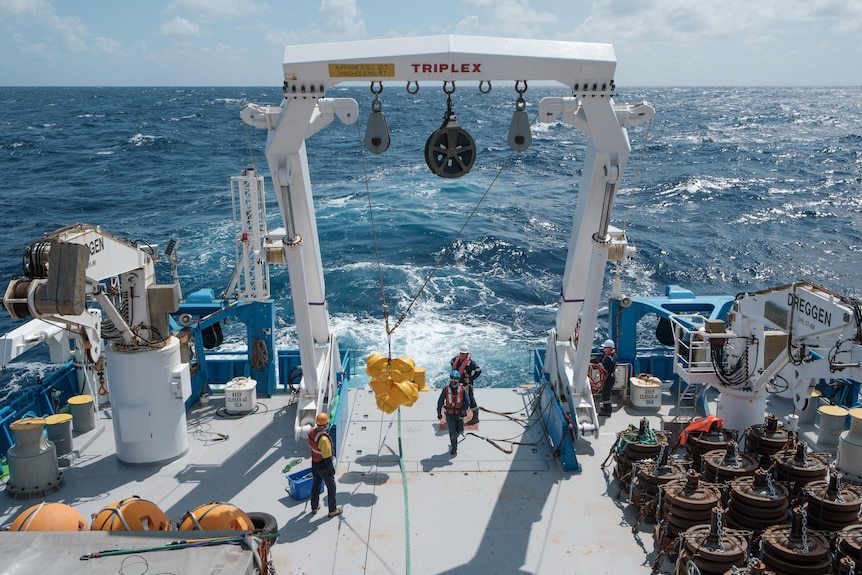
column 482, row 511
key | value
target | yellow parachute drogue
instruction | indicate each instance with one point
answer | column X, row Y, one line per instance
column 393, row 381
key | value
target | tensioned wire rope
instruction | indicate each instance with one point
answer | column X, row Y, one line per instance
column 390, row 330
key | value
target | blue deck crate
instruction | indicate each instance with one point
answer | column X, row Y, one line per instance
column 300, row 484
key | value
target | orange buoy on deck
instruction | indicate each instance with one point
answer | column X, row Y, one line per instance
column 216, row 516
column 131, row 514
column 49, row 517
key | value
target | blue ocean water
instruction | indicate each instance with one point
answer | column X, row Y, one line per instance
column 728, row 189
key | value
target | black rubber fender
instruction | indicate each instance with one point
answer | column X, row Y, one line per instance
column 264, row 523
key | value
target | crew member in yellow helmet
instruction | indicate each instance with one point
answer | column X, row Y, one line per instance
column 322, row 466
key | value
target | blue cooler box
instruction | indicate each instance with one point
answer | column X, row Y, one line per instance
column 300, row 484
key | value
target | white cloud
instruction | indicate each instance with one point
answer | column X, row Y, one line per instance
column 179, row 26
column 505, row 18
column 683, row 20
column 339, row 20
column 848, row 15
column 25, row 8
column 70, row 33
column 210, row 10
column 280, row 38
column 106, row 45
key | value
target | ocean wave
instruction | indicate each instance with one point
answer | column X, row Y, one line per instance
column 726, row 189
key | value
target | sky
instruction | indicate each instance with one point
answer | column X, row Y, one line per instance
column 241, row 42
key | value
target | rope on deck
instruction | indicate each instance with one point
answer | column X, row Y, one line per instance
column 406, row 500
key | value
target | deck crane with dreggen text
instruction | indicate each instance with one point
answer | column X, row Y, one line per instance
column 799, row 333
column 73, row 276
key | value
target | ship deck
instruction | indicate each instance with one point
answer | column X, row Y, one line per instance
column 502, row 505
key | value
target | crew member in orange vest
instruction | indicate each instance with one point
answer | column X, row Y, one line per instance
column 469, row 371
column 455, row 400
column 322, row 466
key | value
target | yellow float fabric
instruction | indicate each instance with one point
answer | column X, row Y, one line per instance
column 392, row 381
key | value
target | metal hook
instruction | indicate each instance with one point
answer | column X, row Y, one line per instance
column 518, row 90
column 380, row 87
column 488, row 82
column 415, row 90
column 448, row 93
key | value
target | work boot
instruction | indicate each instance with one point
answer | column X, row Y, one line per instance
column 605, row 410
column 475, row 418
column 454, row 450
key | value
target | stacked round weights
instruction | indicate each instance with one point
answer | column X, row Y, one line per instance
column 634, row 445
column 700, row 442
column 849, row 550
column 687, row 502
column 799, row 467
column 767, row 438
column 649, row 477
column 755, row 567
column 721, row 465
column 794, row 549
column 757, row 502
column 712, row 548
column 830, row 505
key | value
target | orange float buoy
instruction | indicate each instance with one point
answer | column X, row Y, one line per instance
column 131, row 514
column 216, row 516
column 49, row 517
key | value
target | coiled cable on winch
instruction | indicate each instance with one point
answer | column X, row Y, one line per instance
column 35, row 262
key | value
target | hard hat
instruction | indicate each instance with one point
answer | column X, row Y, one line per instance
column 609, row 343
column 464, row 348
column 322, row 419
column 455, row 374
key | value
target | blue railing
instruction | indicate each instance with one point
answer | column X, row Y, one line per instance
column 40, row 400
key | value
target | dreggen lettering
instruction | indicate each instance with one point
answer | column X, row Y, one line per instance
column 809, row 309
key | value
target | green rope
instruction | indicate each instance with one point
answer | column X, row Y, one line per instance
column 406, row 500
column 632, row 435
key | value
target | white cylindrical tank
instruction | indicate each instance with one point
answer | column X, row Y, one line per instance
column 849, row 461
column 740, row 409
column 240, row 395
column 148, row 393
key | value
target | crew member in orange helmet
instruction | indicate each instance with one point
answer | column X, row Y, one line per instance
column 322, row 466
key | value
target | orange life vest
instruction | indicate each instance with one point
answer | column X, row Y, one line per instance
column 313, row 438
column 708, row 423
column 459, row 364
column 454, row 402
